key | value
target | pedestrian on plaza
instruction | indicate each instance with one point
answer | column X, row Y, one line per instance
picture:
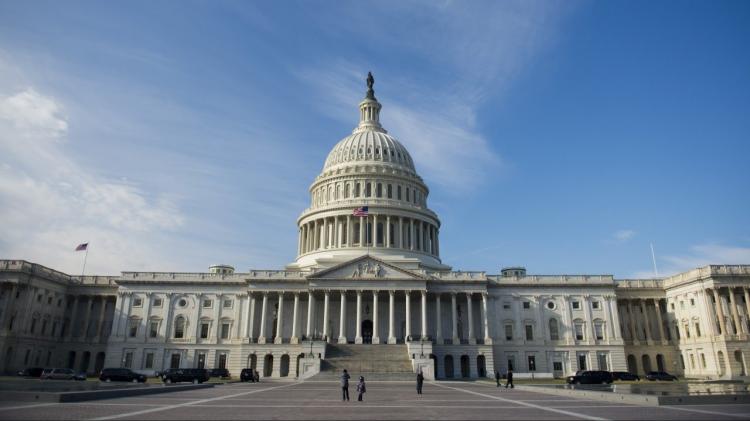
column 420, row 381
column 497, row 377
column 509, row 376
column 257, row 376
column 345, row 386
column 361, row 389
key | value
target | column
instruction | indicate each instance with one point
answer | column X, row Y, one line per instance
column 709, row 312
column 349, row 234
column 295, row 339
column 324, row 236
column 540, row 333
column 720, row 311
column 197, row 323
column 263, row 307
column 454, row 319
column 280, row 320
column 660, row 320
column 646, row 321
column 391, row 304
column 342, row 319
column 251, row 319
column 388, row 231
column 571, row 330
column 100, row 319
column 747, row 302
column 362, row 223
column 8, row 310
column 374, row 237
column 339, row 233
column 326, row 302
column 633, row 327
column 438, row 321
column 299, row 241
column 615, row 312
column 238, row 303
column 485, row 320
column 424, row 315
column 375, row 335
column 73, row 317
column 170, row 311
column 87, row 318
column 407, row 302
column 310, row 303
column 735, row 314
column 470, row 318
column 358, row 327
column 411, row 234
column 400, row 232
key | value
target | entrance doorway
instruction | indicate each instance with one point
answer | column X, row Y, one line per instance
column 174, row 361
column 367, row 331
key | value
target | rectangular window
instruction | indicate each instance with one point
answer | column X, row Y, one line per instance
column 157, row 302
column 697, row 329
column 703, row 360
column 137, row 302
column 227, row 303
column 204, row 330
column 671, row 305
column 529, row 333
column 582, row 361
column 222, row 361
column 207, row 303
column 687, row 331
column 595, row 305
column 224, row 330
column 682, row 304
column 506, row 306
column 692, row 361
column 526, row 305
column 508, row 332
column 692, row 302
column 576, row 305
column 127, row 361
column 133, row 328
column 557, row 366
column 579, row 331
column 149, row 362
column 531, row 360
column 599, row 331
column 153, row 329
column 511, row 362
column 602, row 360
column 201, row 360
column 398, row 192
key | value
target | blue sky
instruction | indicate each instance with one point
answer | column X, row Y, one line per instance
column 563, row 136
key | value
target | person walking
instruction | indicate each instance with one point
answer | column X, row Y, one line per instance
column 497, row 377
column 509, row 382
column 361, row 389
column 345, row 386
column 420, row 381
column 257, row 376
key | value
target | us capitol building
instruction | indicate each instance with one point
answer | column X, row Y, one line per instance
column 371, row 293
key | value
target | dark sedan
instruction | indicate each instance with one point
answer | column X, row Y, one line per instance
column 219, row 372
column 660, row 375
column 31, row 372
column 625, row 376
column 121, row 375
column 590, row 377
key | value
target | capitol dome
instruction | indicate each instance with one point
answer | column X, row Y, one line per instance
column 369, row 168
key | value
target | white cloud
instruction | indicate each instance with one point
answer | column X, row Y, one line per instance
column 50, row 203
column 697, row 256
column 623, row 235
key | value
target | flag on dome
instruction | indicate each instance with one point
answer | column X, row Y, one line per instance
column 82, row 246
column 360, row 211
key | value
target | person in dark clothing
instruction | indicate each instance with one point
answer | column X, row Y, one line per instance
column 497, row 377
column 345, row 386
column 257, row 376
column 361, row 389
column 509, row 382
column 420, row 381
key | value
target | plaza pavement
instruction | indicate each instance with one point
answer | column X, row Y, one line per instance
column 384, row 400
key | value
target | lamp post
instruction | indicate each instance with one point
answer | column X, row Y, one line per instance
column 311, row 351
column 421, row 347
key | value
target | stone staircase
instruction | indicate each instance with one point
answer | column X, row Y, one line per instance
column 374, row 362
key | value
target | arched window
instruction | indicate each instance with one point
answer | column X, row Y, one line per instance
column 398, row 192
column 179, row 327
column 389, row 190
column 379, row 190
column 408, row 197
column 346, row 190
column 554, row 333
column 356, row 190
column 368, row 190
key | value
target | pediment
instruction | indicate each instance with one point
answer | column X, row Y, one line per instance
column 369, row 268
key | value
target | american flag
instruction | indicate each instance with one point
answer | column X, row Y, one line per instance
column 82, row 246
column 360, row 211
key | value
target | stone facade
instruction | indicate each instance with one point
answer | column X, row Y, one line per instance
column 375, row 279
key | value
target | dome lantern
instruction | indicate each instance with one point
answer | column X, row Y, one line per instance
column 369, row 110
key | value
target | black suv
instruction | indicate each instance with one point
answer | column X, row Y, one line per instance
column 174, row 375
column 590, row 377
column 121, row 375
column 219, row 372
column 31, row 372
column 624, row 375
column 247, row 374
column 660, row 375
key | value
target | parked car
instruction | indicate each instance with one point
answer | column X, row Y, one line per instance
column 60, row 374
column 247, row 374
column 175, row 375
column 219, row 372
column 81, row 375
column 31, row 372
column 590, row 377
column 660, row 375
column 121, row 375
column 624, row 375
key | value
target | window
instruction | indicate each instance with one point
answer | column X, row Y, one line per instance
column 179, row 327
column 602, row 360
column 59, row 302
column 596, row 305
column 222, row 361
column 692, row 361
column 511, row 362
column 137, row 302
column 508, row 332
column 368, row 190
column 671, row 305
column 682, row 304
column 398, row 192
column 127, row 360
column 208, row 303
column 687, row 331
column 531, row 360
column 133, row 328
column 554, row 333
column 599, row 331
column 44, row 327
column 703, row 360
column 582, row 361
column 39, row 298
column 224, row 330
column 389, row 191
column 33, row 325
column 529, row 333
column 227, row 303
column 157, row 302
column 204, row 330
column 697, row 329
column 26, row 357
column 579, row 331
column 356, row 190
column 557, row 366
column 526, row 305
column 379, row 190
column 551, row 305
column 54, row 329
column 692, row 302
column 49, row 300
column 182, row 302
column 506, row 306
column 153, row 329
column 149, row 362
column 576, row 305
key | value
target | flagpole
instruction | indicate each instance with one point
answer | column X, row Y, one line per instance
column 85, row 256
column 653, row 258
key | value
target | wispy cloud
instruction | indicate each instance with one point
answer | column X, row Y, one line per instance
column 697, row 256
column 623, row 235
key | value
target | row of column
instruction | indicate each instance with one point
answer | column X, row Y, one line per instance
column 340, row 231
column 729, row 300
column 641, row 323
column 98, row 320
